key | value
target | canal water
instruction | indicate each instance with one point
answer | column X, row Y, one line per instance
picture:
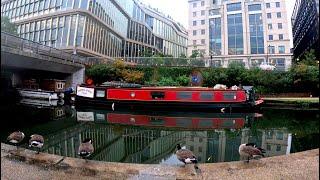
column 151, row 137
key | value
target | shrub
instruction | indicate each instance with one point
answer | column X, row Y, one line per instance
column 183, row 80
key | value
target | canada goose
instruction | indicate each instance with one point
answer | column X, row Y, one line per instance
column 187, row 157
column 86, row 148
column 36, row 141
column 249, row 150
column 15, row 138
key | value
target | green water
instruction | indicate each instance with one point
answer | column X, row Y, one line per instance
column 151, row 137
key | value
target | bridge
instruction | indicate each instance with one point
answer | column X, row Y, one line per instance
column 22, row 58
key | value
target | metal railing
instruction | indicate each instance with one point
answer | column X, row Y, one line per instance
column 155, row 61
column 17, row 43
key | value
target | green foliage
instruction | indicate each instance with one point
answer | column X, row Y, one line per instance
column 183, row 80
column 300, row 78
column 235, row 73
column 309, row 58
column 7, row 26
column 196, row 53
column 167, row 81
column 101, row 73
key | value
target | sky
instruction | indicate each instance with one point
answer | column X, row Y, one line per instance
column 178, row 10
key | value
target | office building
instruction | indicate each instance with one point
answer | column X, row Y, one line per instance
column 97, row 28
column 305, row 27
column 244, row 31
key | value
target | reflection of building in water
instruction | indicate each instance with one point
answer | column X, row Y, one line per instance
column 150, row 146
column 66, row 142
column 197, row 142
column 276, row 141
column 130, row 145
column 223, row 146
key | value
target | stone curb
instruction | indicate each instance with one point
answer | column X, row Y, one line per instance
column 280, row 167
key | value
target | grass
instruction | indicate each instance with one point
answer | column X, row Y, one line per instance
column 294, row 99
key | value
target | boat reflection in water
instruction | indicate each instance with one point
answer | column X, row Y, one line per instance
column 51, row 109
column 198, row 121
column 151, row 137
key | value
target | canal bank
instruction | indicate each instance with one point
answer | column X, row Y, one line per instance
column 25, row 164
column 307, row 103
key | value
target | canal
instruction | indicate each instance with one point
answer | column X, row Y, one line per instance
column 151, row 137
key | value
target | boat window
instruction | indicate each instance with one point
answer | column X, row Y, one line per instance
column 205, row 123
column 156, row 121
column 228, row 123
column 157, row 95
column 206, row 96
column 184, row 95
column 184, row 122
column 229, row 95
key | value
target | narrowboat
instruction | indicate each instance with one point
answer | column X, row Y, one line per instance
column 169, row 120
column 169, row 98
column 47, row 89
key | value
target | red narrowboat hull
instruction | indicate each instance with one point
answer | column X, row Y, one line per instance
column 165, row 97
column 200, row 121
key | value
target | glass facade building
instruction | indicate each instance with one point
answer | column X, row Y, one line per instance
column 97, row 28
column 305, row 27
column 235, row 34
column 256, row 34
column 240, row 31
column 215, row 36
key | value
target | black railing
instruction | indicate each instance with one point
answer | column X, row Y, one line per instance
column 17, row 43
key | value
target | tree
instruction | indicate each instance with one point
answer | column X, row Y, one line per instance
column 7, row 26
column 195, row 53
column 309, row 58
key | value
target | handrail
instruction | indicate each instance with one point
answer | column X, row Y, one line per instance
column 13, row 41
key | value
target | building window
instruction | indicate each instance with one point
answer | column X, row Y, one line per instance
column 254, row 7
column 277, row 4
column 214, row 12
column 269, row 134
column 200, row 149
column 280, row 36
column 270, row 37
column 203, row 22
column 256, row 62
column 278, row 148
column 215, row 36
column 194, row 42
column 269, row 26
column 271, row 50
column 203, row 31
column 202, row 3
column 256, row 33
column 280, row 63
column 194, row 23
column 233, row 7
column 269, row 15
column 194, row 4
column 268, row 147
column 203, row 12
column 194, row 32
column 235, row 34
column 281, row 49
column 279, row 135
column 203, row 41
column 278, row 14
column 268, row 5
column 194, row 14
column 279, row 25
